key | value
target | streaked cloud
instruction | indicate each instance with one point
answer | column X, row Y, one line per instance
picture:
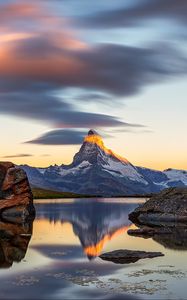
column 115, row 69
column 60, row 137
column 42, row 55
column 140, row 11
column 68, row 136
column 17, row 155
column 52, row 110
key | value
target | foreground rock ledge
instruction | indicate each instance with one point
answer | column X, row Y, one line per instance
column 128, row 256
column 16, row 200
column 168, row 207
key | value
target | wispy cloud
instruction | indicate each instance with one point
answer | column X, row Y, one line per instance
column 141, row 11
column 60, row 137
column 44, row 57
column 75, row 136
column 17, row 155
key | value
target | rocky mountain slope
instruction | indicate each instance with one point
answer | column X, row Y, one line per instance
column 97, row 170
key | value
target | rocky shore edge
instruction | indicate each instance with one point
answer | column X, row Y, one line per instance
column 169, row 207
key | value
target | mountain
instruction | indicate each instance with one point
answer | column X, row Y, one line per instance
column 96, row 170
column 167, row 178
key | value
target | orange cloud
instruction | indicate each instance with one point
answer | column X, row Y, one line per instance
column 39, row 68
column 10, row 37
column 50, row 44
column 18, row 10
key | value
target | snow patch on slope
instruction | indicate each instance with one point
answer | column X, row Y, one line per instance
column 41, row 170
column 83, row 166
column 118, row 168
column 176, row 175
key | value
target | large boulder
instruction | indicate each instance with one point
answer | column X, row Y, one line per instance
column 16, row 200
column 168, row 207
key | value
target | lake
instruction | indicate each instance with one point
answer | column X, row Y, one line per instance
column 56, row 257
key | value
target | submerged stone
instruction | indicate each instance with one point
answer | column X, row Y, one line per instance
column 128, row 256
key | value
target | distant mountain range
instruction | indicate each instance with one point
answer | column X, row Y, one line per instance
column 96, row 170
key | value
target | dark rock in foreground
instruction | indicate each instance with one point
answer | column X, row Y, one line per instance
column 167, row 207
column 16, row 200
column 128, row 256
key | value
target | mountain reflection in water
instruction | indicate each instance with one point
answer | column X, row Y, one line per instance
column 94, row 222
column 56, row 267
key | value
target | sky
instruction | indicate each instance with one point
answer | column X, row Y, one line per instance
column 119, row 67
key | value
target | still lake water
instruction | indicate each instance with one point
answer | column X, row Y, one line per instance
column 60, row 260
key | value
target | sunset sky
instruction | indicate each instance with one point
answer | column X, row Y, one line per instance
column 119, row 67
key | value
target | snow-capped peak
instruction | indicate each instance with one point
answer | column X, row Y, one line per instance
column 97, row 170
column 94, row 151
column 176, row 175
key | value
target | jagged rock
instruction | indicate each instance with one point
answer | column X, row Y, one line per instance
column 168, row 207
column 16, row 199
column 128, row 256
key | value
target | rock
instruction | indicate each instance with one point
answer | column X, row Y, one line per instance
column 170, row 237
column 168, row 207
column 147, row 232
column 128, row 256
column 14, row 240
column 16, row 200
column 174, row 238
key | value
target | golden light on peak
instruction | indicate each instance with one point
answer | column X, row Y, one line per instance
column 96, row 139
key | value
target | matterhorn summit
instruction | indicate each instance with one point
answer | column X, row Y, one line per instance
column 93, row 153
column 97, row 170
column 91, row 150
